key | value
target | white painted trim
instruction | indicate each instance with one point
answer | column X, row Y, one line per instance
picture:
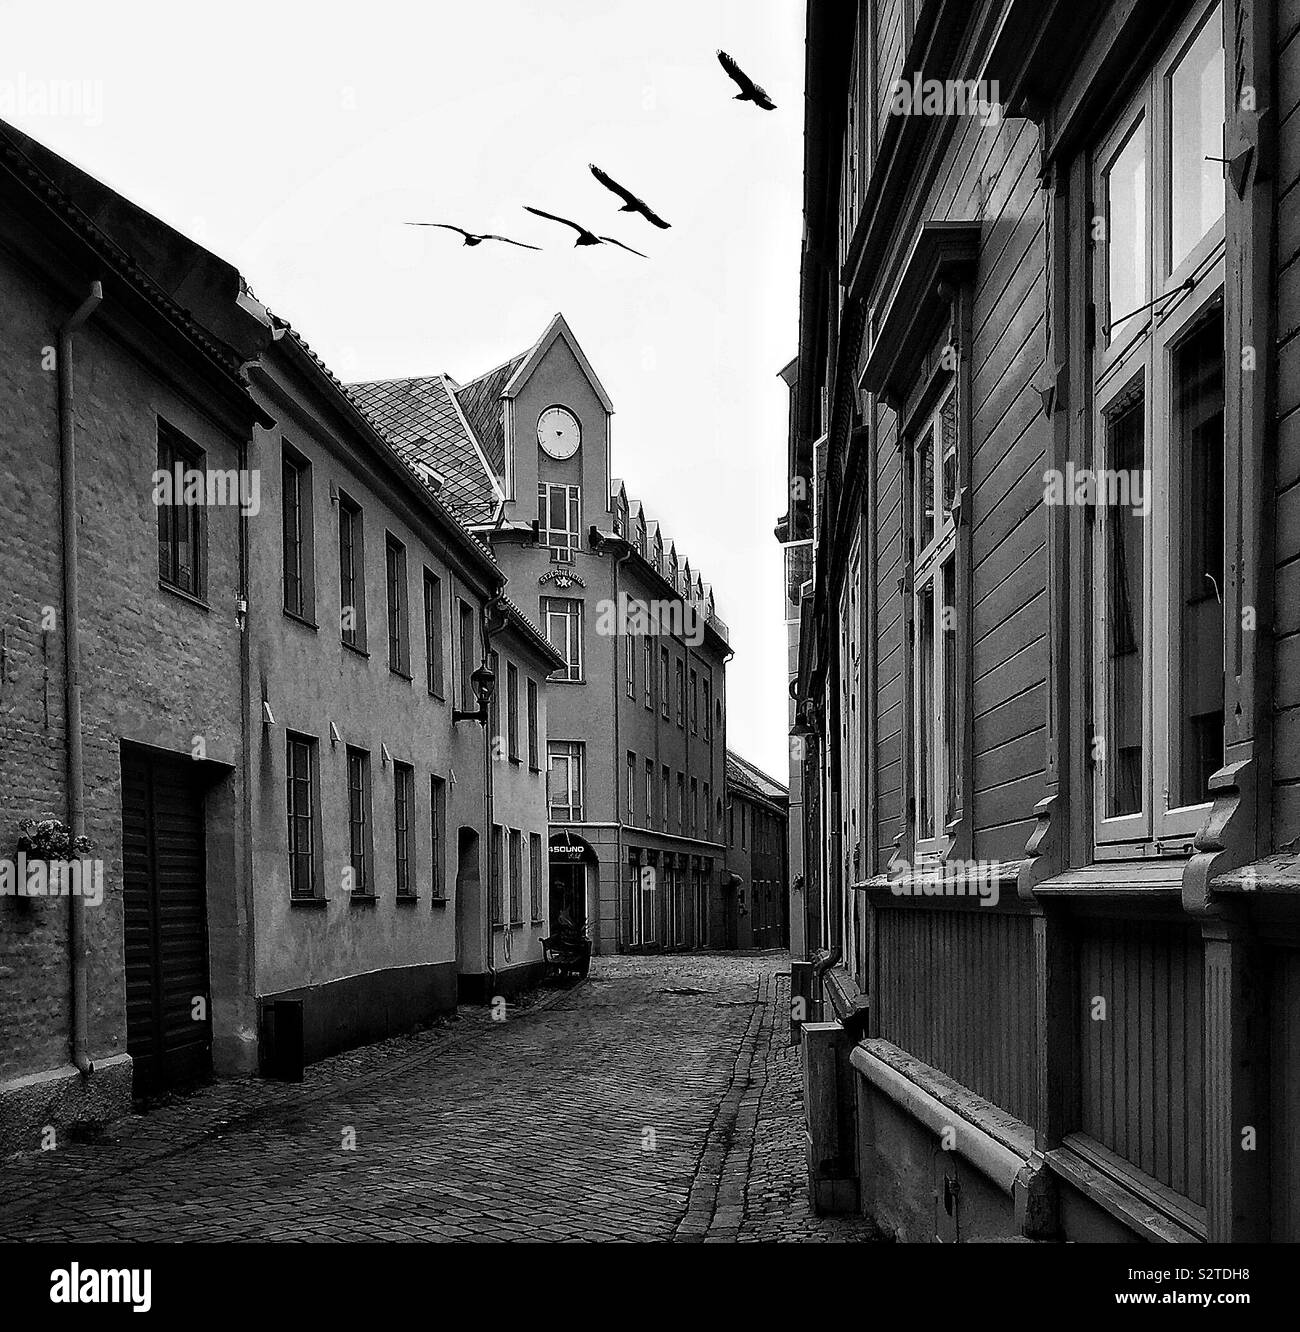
column 558, row 327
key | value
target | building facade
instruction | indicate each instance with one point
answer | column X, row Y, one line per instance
column 135, row 978
column 757, row 900
column 284, row 754
column 637, row 714
column 1045, row 409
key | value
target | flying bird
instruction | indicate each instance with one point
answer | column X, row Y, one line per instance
column 749, row 90
column 585, row 237
column 631, row 204
column 473, row 238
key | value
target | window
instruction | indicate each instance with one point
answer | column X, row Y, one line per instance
column 934, row 598
column 468, row 658
column 708, row 727
column 535, row 876
column 629, row 663
column 649, row 792
column 403, row 818
column 665, row 802
column 359, row 820
column 663, row 681
column 296, row 529
column 559, row 519
column 352, row 576
column 300, row 804
column 565, row 781
column 744, row 827
column 516, row 877
column 679, row 671
column 180, row 524
column 399, row 645
column 496, row 868
column 562, row 617
column 512, row 711
column 708, row 815
column 1158, row 540
column 629, row 812
column 438, row 836
column 648, row 670
column 695, row 807
column 695, row 702
column 532, row 726
column 494, row 704
column 433, row 633
column 681, row 803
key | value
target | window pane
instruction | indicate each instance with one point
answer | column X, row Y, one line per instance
column 948, row 427
column 1125, row 644
column 948, row 628
column 925, row 712
column 925, row 490
column 1196, row 137
column 1126, row 229
column 1197, row 687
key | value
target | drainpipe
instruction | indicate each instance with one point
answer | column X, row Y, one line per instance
column 72, row 667
column 488, row 632
column 619, row 561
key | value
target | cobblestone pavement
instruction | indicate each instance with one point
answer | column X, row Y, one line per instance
column 660, row 1101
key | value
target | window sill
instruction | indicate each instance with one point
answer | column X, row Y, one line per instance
column 516, row 760
column 437, row 697
column 407, row 899
column 300, row 619
column 193, row 598
column 1157, row 876
column 401, row 675
column 538, row 921
column 498, row 927
column 363, row 899
column 438, row 903
column 358, row 648
column 317, row 902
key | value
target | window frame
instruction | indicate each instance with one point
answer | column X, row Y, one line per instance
column 404, row 816
column 1147, row 350
column 352, row 573
column 309, row 745
column 294, row 461
column 397, row 596
column 173, row 447
column 573, row 754
column 363, row 875
column 438, row 837
column 433, row 636
column 564, row 542
column 571, row 612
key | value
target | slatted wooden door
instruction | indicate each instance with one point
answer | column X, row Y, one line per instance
column 169, row 1034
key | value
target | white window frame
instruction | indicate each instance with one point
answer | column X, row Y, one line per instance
column 928, row 564
column 566, row 612
column 1145, row 347
column 562, row 541
column 572, row 755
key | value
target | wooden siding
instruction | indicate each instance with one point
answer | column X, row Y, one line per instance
column 1140, row 1067
column 956, row 989
column 1284, row 1079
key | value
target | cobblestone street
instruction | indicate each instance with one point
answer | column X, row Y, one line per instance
column 660, row 1101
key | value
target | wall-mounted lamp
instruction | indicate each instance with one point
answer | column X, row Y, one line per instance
column 482, row 682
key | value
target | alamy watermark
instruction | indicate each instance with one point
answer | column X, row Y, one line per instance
column 27, row 98
column 947, row 97
column 948, row 878
column 1084, row 487
column 42, row 877
column 641, row 619
column 213, row 486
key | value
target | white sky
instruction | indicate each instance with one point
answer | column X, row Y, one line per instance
column 294, row 139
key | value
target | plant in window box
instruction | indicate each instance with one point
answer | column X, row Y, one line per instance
column 50, row 839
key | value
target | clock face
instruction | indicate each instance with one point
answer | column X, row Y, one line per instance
column 558, row 432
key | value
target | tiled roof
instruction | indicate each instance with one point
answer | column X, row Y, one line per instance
column 743, row 774
column 480, row 400
column 420, row 418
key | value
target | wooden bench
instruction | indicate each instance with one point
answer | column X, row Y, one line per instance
column 566, row 955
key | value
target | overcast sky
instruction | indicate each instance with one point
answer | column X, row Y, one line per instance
column 294, row 139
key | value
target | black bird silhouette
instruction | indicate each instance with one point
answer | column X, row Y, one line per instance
column 631, row 204
column 473, row 238
column 585, row 237
column 749, row 90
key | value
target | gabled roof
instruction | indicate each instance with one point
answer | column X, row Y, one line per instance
column 557, row 328
column 754, row 781
column 423, row 420
column 480, row 400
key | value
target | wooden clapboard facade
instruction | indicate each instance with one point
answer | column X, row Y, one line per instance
column 1046, row 439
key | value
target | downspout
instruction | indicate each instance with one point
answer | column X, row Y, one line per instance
column 618, row 765
column 490, row 957
column 72, row 667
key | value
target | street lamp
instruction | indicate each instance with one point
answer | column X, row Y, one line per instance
column 482, row 681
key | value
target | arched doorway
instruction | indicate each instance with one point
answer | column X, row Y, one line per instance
column 467, row 898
